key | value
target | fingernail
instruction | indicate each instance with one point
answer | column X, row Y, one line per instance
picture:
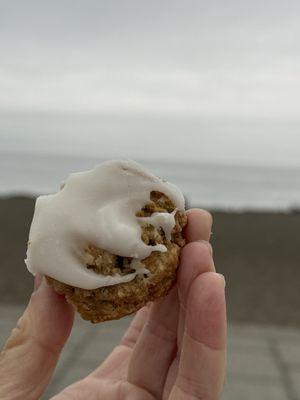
column 206, row 243
column 222, row 277
column 37, row 282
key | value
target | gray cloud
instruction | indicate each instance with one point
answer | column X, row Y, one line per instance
column 220, row 80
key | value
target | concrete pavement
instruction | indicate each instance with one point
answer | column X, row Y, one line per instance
column 263, row 361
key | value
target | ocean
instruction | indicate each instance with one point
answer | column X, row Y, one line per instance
column 215, row 186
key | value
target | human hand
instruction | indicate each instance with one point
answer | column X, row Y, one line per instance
column 174, row 349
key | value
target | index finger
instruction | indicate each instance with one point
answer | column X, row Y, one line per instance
column 198, row 226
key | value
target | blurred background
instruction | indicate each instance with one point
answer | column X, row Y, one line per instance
column 205, row 94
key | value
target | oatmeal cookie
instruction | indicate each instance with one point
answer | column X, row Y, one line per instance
column 116, row 301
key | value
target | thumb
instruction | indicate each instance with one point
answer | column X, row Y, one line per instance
column 32, row 351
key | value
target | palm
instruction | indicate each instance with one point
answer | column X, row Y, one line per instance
column 175, row 348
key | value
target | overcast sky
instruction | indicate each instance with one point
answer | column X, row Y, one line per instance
column 211, row 81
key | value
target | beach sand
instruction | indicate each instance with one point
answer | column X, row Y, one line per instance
column 258, row 253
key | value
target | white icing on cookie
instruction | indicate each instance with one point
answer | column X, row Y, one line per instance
column 97, row 207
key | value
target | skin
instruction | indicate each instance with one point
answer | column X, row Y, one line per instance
column 175, row 349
